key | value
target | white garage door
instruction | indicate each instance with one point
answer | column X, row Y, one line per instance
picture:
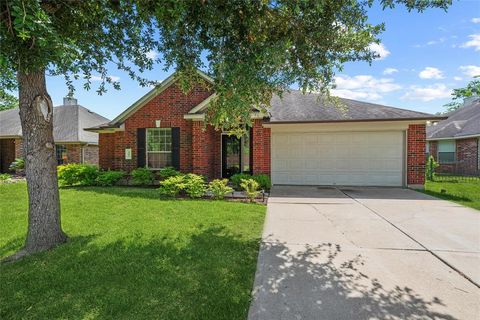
column 343, row 158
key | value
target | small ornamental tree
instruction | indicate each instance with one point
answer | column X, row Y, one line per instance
column 253, row 49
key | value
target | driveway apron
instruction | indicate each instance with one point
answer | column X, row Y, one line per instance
column 366, row 253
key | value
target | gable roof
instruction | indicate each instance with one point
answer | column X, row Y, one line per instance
column 147, row 97
column 296, row 107
column 463, row 122
column 68, row 124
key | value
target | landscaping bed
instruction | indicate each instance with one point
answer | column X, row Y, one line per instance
column 132, row 255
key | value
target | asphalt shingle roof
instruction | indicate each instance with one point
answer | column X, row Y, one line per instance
column 294, row 106
column 68, row 124
column 464, row 121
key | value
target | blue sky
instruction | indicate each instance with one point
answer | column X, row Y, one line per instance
column 424, row 56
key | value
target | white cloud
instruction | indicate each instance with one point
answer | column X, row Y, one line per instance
column 390, row 71
column 470, row 71
column 457, row 78
column 473, row 43
column 363, row 87
column 475, row 20
column 380, row 50
column 431, row 73
column 98, row 78
column 152, row 54
column 427, row 93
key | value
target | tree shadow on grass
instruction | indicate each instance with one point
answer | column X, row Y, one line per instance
column 319, row 282
column 208, row 276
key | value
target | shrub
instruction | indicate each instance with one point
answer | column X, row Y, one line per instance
column 172, row 186
column 219, row 188
column 77, row 174
column 237, row 178
column 109, row 178
column 4, row 177
column 430, row 168
column 194, row 185
column 142, row 176
column 168, row 172
column 263, row 180
column 17, row 164
column 250, row 187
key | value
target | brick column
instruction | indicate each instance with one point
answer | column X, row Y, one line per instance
column 260, row 148
column 18, row 148
column 416, row 155
column 200, row 155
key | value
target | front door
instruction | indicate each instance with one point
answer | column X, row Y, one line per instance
column 231, row 155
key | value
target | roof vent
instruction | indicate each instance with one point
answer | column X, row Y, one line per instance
column 70, row 101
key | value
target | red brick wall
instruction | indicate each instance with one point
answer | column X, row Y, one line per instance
column 106, row 152
column 18, row 148
column 205, row 150
column 90, row 155
column 466, row 157
column 416, row 154
column 74, row 153
column 169, row 107
column 260, row 148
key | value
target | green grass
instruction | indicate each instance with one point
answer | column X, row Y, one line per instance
column 132, row 256
column 457, row 190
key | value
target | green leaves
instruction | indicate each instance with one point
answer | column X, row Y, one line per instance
column 459, row 95
column 253, row 49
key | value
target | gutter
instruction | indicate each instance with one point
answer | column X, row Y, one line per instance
column 356, row 120
column 477, row 135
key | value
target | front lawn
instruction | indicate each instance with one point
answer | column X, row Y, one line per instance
column 132, row 256
column 464, row 192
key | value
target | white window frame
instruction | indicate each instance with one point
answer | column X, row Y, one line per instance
column 147, row 152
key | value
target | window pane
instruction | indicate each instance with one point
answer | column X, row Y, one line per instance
column 159, row 160
column 246, row 152
column 61, row 153
column 159, row 139
column 446, row 157
column 446, row 146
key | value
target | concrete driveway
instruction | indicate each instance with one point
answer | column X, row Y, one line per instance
column 367, row 253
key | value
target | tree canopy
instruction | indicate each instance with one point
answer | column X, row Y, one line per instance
column 252, row 48
column 7, row 100
column 459, row 95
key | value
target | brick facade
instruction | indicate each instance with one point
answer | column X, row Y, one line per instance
column 416, row 136
column 467, row 161
column 200, row 144
column 260, row 148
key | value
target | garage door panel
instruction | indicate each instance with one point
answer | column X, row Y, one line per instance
column 359, row 158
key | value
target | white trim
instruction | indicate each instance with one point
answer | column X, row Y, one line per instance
column 477, row 135
column 196, row 117
column 202, row 105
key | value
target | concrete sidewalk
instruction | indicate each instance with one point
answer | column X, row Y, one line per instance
column 365, row 254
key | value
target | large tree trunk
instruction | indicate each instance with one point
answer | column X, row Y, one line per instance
column 36, row 114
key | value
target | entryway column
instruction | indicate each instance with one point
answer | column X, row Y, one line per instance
column 260, row 148
column 200, row 154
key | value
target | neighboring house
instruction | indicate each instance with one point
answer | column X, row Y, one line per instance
column 454, row 142
column 301, row 141
column 72, row 143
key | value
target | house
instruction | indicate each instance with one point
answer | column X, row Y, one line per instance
column 302, row 140
column 454, row 142
column 72, row 143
